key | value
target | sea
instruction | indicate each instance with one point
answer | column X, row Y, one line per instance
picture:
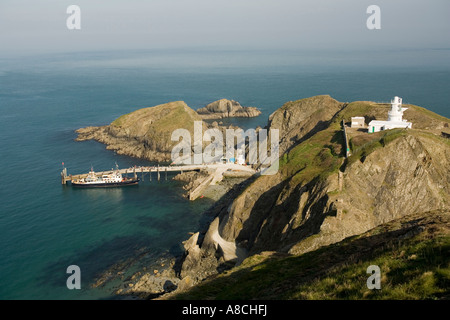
column 45, row 226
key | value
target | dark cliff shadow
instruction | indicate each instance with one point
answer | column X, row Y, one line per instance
column 263, row 229
column 321, row 125
column 338, row 139
column 259, row 213
column 269, row 226
column 280, row 276
column 313, row 214
column 368, row 119
column 218, row 209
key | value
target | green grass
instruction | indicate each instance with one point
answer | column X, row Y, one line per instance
column 415, row 271
column 412, row 268
column 177, row 118
column 427, row 113
column 170, row 116
column 322, row 154
column 353, row 109
column 120, row 120
column 379, row 141
column 432, row 136
column 318, row 156
column 416, row 267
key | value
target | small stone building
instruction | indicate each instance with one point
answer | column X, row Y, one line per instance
column 358, row 122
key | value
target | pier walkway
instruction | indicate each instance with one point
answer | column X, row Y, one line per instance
column 216, row 173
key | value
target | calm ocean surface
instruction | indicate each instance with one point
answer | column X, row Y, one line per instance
column 45, row 227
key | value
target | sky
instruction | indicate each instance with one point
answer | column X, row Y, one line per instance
column 37, row 26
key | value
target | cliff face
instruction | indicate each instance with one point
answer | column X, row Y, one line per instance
column 409, row 175
column 236, row 225
column 318, row 197
column 145, row 133
column 225, row 108
column 412, row 253
column 297, row 119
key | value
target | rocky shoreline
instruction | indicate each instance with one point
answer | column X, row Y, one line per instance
column 163, row 276
column 191, row 180
column 147, row 133
column 317, row 198
column 152, row 282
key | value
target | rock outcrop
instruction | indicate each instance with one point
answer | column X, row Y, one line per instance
column 409, row 175
column 302, row 118
column 225, row 108
column 412, row 253
column 145, row 133
column 192, row 180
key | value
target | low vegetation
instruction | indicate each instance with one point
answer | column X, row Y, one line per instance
column 412, row 253
column 371, row 143
column 320, row 155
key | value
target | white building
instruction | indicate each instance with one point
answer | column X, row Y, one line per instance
column 395, row 118
column 357, row 122
column 240, row 159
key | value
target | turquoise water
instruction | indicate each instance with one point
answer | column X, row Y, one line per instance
column 45, row 227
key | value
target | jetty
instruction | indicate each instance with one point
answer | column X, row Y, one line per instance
column 216, row 170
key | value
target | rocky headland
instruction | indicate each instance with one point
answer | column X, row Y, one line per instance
column 318, row 198
column 146, row 133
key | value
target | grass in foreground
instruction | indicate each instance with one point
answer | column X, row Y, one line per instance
column 413, row 255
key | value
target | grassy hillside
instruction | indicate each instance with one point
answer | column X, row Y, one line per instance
column 162, row 118
column 145, row 133
column 319, row 155
column 308, row 205
column 413, row 254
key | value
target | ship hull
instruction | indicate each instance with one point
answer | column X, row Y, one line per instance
column 131, row 182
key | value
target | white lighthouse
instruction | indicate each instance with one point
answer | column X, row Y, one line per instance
column 396, row 113
column 395, row 118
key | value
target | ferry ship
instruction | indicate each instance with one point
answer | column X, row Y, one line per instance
column 114, row 179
